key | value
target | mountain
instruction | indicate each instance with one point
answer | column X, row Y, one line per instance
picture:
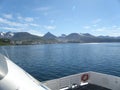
column 6, row 35
column 62, row 38
column 80, row 38
column 63, row 35
column 24, row 36
column 49, row 36
column 87, row 38
column 4, row 41
column 73, row 37
column 20, row 38
column 9, row 35
column 27, row 38
column 108, row 39
column 2, row 34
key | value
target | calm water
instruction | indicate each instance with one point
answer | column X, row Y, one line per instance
column 51, row 61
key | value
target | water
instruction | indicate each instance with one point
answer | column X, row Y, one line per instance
column 51, row 61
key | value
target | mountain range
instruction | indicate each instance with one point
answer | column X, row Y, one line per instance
column 27, row 38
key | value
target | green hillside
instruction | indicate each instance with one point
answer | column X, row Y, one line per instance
column 4, row 41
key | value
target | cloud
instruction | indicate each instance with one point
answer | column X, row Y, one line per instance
column 100, row 29
column 114, row 26
column 10, row 23
column 22, row 24
column 42, row 8
column 34, row 25
column 52, row 21
column 118, row 28
column 8, row 16
column 96, row 21
column 86, row 27
column 20, row 18
column 111, row 31
column 45, row 13
column 35, row 32
column 115, row 34
column 106, row 29
column 27, row 19
column 17, row 26
column 12, row 29
column 50, row 27
column 94, row 25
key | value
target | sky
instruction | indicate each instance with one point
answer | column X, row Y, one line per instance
column 97, row 17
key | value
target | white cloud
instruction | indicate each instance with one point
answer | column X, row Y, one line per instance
column 106, row 29
column 111, row 31
column 6, row 24
column 94, row 25
column 42, row 8
column 20, row 29
column 34, row 25
column 86, row 27
column 100, row 29
column 114, row 26
column 45, row 13
column 8, row 16
column 29, row 19
column 12, row 29
column 21, row 24
column 17, row 24
column 8, row 28
column 96, row 21
column 52, row 21
column 35, row 32
column 118, row 28
column 10, row 23
column 20, row 18
column 115, row 34
column 50, row 27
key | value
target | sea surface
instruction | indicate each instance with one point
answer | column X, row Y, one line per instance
column 50, row 61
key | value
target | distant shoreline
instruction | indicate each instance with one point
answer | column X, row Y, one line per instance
column 25, row 38
column 54, row 43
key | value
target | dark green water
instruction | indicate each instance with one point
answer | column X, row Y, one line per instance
column 51, row 61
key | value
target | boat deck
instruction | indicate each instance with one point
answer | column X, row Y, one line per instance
column 89, row 87
column 96, row 81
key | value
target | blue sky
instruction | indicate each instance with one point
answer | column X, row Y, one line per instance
column 98, row 17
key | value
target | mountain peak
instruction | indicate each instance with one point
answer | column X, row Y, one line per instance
column 87, row 34
column 74, row 35
column 6, row 35
column 49, row 35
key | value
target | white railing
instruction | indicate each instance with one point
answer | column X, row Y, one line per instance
column 65, row 82
column 104, row 80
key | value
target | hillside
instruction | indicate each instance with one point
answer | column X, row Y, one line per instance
column 20, row 38
column 4, row 42
column 50, row 38
column 24, row 36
